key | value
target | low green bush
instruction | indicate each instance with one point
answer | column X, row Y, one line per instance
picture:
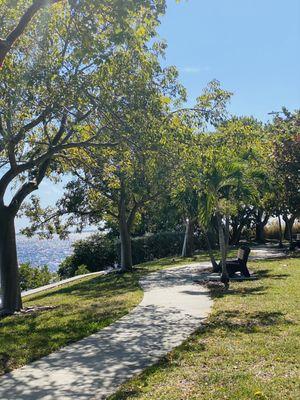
column 33, row 277
column 159, row 245
column 82, row 270
column 99, row 251
column 96, row 252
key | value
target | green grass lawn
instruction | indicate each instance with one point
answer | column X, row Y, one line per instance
column 248, row 349
column 82, row 308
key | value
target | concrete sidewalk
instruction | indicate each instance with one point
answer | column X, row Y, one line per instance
column 63, row 282
column 264, row 252
column 93, row 368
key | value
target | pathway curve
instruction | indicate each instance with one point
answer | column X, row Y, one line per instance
column 93, row 368
column 266, row 252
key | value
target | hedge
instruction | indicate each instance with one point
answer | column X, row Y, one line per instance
column 100, row 251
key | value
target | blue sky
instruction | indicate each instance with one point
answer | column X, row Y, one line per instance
column 250, row 46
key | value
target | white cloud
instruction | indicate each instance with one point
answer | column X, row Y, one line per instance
column 194, row 70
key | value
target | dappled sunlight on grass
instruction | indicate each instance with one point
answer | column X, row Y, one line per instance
column 82, row 308
column 248, row 348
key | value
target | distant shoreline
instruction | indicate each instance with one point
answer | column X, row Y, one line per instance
column 51, row 252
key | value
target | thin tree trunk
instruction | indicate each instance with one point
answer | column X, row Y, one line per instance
column 126, row 251
column 237, row 229
column 227, row 227
column 288, row 231
column 211, row 254
column 190, row 240
column 188, row 244
column 260, row 227
column 222, row 242
column 280, row 232
column 259, row 233
column 9, row 271
column 184, row 246
column 234, row 232
column 290, row 228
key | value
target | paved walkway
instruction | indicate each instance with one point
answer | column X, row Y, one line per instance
column 93, row 368
column 266, row 251
column 63, row 282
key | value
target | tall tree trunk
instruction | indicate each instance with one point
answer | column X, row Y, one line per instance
column 236, row 234
column 211, row 254
column 9, row 271
column 261, row 222
column 289, row 223
column 227, row 228
column 280, row 231
column 126, row 251
column 190, row 240
column 188, row 244
column 288, row 230
column 222, row 242
column 292, row 247
column 259, row 232
column 234, row 231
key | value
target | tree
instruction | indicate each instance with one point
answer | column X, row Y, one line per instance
column 10, row 39
column 285, row 131
column 46, row 106
column 229, row 162
column 210, row 110
column 15, row 30
column 216, row 201
column 114, row 184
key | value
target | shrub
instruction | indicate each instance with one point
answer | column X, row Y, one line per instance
column 160, row 245
column 67, row 268
column 33, row 277
column 82, row 270
column 96, row 252
column 99, row 251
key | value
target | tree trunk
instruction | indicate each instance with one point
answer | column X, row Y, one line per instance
column 211, row 254
column 280, row 232
column 234, row 232
column 222, row 242
column 261, row 222
column 188, row 244
column 126, row 252
column 288, row 230
column 190, row 240
column 227, row 232
column 9, row 271
column 237, row 229
column 289, row 223
column 259, row 232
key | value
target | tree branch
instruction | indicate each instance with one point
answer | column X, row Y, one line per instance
column 7, row 43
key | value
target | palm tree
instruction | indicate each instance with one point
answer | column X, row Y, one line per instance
column 218, row 197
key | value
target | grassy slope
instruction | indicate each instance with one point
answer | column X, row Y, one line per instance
column 249, row 348
column 82, row 308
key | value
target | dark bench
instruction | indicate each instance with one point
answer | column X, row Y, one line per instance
column 238, row 265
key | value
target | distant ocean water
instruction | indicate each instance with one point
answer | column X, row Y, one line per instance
column 49, row 252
